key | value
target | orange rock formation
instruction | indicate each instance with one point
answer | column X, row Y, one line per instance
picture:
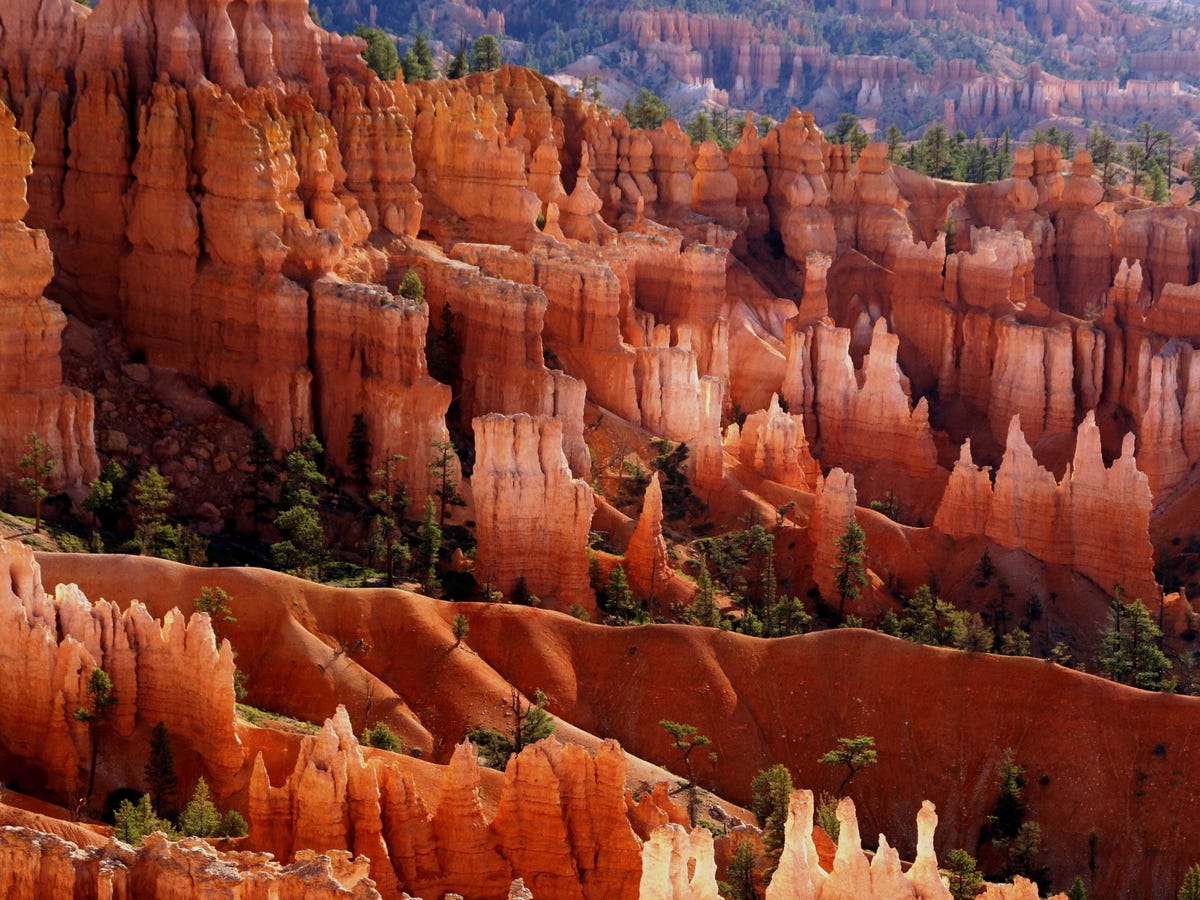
column 36, row 402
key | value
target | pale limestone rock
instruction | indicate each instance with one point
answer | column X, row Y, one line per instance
column 851, row 876
column 799, row 875
column 926, row 882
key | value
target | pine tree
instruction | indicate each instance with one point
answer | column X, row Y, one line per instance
column 151, row 498
column 428, row 550
column 460, row 629
column 850, row 573
column 1190, row 889
column 133, row 821
column 391, row 501
column 457, row 66
column 703, row 610
column 856, row 753
column 101, row 699
column 444, row 473
column 382, row 738
column 646, row 110
column 485, row 54
column 304, row 544
column 895, row 139
column 700, row 128
column 107, row 495
column 1078, row 891
column 380, row 53
column 39, row 464
column 160, row 772
column 687, row 739
column 1129, row 651
column 418, row 61
column 200, row 817
column 964, row 879
column 741, row 880
column 772, row 790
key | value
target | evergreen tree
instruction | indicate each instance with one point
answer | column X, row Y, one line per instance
column 1009, row 811
column 977, row 160
column 646, row 110
column 934, row 154
column 304, row 544
column 850, row 572
column 619, row 600
column 485, row 54
column 200, row 817
column 107, row 495
column 382, row 738
column 460, row 628
column 442, row 353
column 151, row 498
column 1078, row 891
column 1190, row 889
column 428, row 550
column 1105, row 153
column 687, row 739
column 133, row 821
column 895, row 140
column 380, row 54
column 39, row 465
column 101, row 699
column 215, row 601
column 1157, row 182
column 418, row 61
column 964, row 879
column 928, row 619
column 741, row 880
column 856, row 753
column 444, row 472
column 700, row 128
column 160, row 772
column 1129, row 651
column 531, row 723
column 457, row 67
column 848, row 130
column 391, row 501
column 771, row 790
column 412, row 288
column 262, row 459
column 1002, row 158
column 703, row 610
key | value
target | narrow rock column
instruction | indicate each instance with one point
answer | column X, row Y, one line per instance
column 532, row 518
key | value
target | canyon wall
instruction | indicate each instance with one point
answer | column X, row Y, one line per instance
column 36, row 401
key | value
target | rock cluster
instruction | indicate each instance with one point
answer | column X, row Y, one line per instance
column 1096, row 519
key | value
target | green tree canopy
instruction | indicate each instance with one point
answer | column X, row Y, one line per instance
column 380, row 54
column 485, row 54
column 646, row 110
column 856, row 754
column 418, row 61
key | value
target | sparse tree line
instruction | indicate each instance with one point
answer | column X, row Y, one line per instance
column 383, row 58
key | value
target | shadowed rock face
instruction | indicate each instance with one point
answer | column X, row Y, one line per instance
column 36, row 400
